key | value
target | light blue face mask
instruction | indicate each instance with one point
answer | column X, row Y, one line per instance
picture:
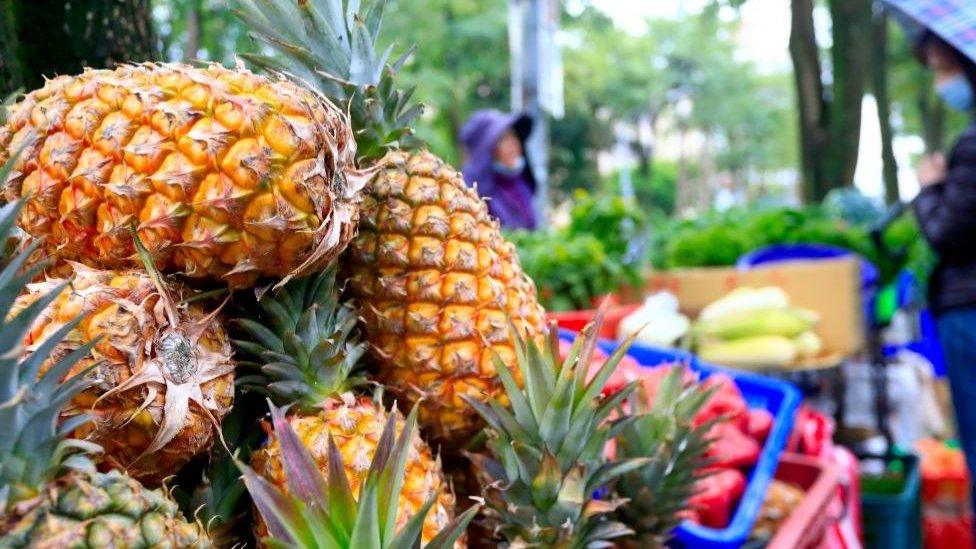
column 510, row 171
column 957, row 92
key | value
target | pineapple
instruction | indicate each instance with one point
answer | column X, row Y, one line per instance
column 658, row 492
column 322, row 512
column 545, row 452
column 162, row 372
column 224, row 174
column 305, row 357
column 50, row 494
column 433, row 276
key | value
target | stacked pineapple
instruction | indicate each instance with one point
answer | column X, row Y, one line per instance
column 143, row 186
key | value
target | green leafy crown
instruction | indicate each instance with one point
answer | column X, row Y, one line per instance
column 301, row 351
column 545, row 456
column 663, row 432
column 34, row 447
column 332, row 46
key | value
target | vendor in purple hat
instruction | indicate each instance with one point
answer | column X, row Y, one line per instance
column 496, row 163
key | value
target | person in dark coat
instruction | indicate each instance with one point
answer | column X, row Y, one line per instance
column 946, row 212
column 496, row 164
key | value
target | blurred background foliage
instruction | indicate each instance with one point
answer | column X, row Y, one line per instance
column 678, row 80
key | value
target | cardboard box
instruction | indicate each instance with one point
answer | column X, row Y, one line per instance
column 830, row 287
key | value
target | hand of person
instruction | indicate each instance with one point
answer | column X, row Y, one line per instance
column 931, row 169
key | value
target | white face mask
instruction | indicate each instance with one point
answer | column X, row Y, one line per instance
column 513, row 170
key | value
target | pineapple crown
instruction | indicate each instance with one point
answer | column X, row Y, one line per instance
column 322, row 512
column 302, row 351
column 664, row 433
column 546, row 447
column 332, row 46
column 33, row 446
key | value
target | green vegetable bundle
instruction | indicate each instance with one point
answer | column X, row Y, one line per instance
column 604, row 247
column 719, row 239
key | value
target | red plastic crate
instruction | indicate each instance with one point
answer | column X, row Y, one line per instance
column 808, row 524
column 577, row 320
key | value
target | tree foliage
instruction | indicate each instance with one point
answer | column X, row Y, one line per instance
column 612, row 78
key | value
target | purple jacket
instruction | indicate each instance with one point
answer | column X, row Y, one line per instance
column 509, row 197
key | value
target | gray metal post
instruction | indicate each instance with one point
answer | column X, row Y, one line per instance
column 531, row 41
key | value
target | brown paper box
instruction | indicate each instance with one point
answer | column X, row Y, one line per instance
column 830, row 287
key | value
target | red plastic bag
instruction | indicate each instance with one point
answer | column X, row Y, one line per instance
column 812, row 434
column 727, row 401
column 717, row 497
column 731, row 447
column 947, row 531
column 760, row 424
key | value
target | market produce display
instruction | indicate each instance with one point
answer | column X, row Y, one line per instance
column 246, row 305
column 720, row 239
column 751, row 327
column 202, row 194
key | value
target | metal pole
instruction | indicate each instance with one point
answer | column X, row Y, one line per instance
column 625, row 162
column 529, row 38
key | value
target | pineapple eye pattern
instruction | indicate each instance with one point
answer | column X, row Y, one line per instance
column 439, row 281
column 175, row 127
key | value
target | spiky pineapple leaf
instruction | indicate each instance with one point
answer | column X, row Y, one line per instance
column 33, row 449
column 545, row 447
column 665, row 434
column 325, row 515
column 331, row 45
column 302, row 350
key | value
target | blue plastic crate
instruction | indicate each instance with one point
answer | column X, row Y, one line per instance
column 777, row 397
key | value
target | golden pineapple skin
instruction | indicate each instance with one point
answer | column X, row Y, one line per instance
column 437, row 284
column 225, row 174
column 136, row 389
column 356, row 424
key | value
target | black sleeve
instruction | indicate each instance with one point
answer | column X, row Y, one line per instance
column 947, row 211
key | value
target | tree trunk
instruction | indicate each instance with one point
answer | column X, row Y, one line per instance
column 108, row 32
column 194, row 22
column 810, row 98
column 883, row 98
column 643, row 158
column 44, row 46
column 707, row 176
column 830, row 124
column 684, row 198
column 57, row 37
column 850, row 56
column 10, row 78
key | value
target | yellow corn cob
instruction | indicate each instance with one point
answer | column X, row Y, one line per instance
column 750, row 352
column 784, row 322
column 808, row 344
